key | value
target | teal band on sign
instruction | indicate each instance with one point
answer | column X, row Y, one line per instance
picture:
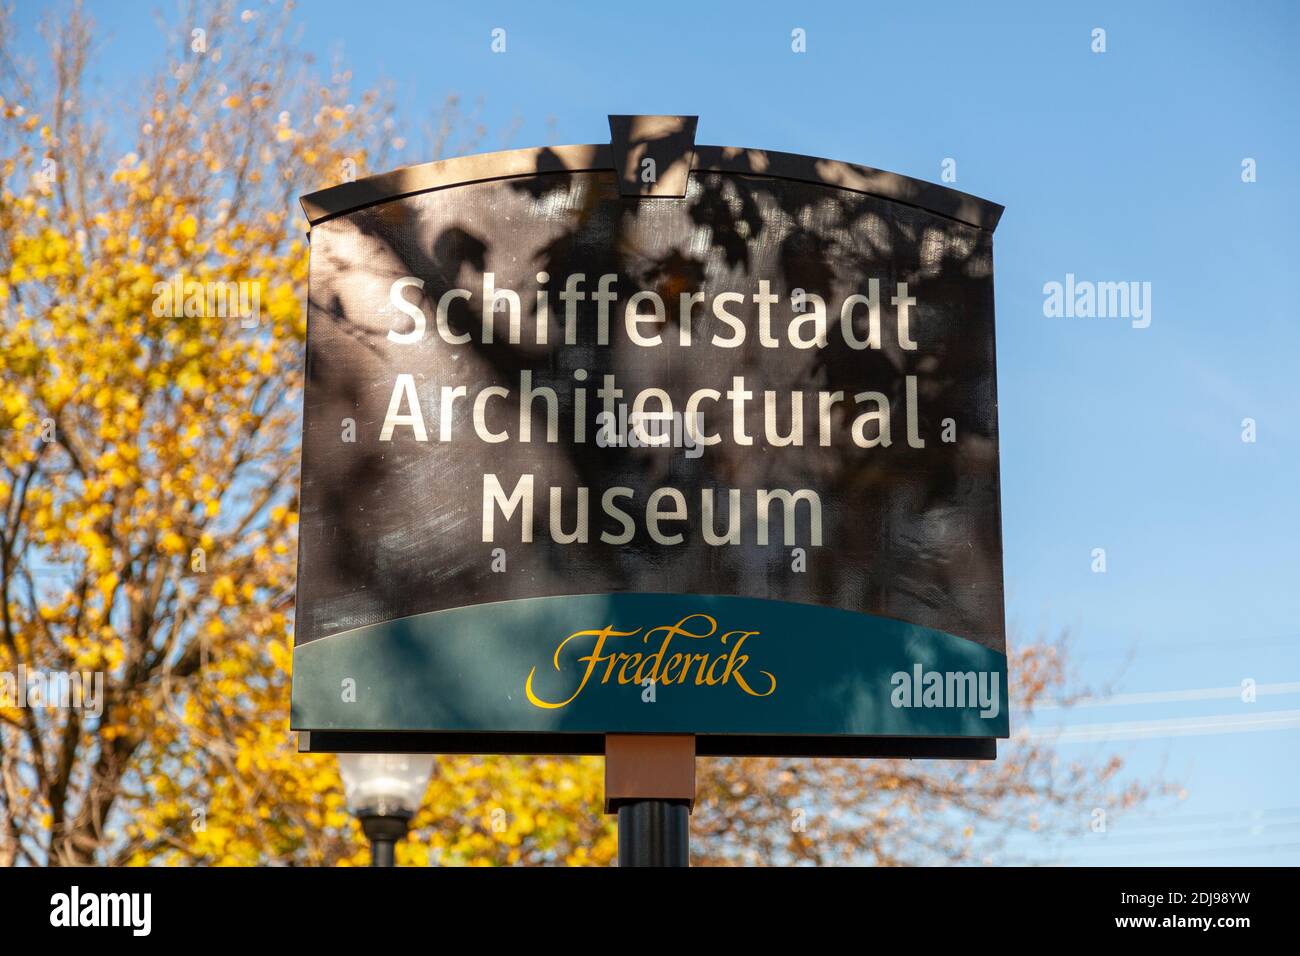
column 651, row 663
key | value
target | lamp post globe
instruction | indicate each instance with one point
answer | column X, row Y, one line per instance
column 383, row 792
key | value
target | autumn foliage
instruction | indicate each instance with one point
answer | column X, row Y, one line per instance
column 148, row 476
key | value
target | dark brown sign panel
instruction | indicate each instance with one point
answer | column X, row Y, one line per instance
column 590, row 449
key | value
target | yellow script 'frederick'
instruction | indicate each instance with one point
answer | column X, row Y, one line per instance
column 711, row 669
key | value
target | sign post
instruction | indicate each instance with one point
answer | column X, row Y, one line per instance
column 650, row 784
column 655, row 450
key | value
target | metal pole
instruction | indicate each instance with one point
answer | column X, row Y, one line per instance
column 382, row 853
column 654, row 833
column 384, row 831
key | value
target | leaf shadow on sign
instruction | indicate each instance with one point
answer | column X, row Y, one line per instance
column 907, row 533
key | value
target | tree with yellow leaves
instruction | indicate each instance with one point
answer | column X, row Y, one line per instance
column 146, row 447
column 152, row 286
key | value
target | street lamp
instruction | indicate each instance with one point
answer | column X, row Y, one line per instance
column 384, row 791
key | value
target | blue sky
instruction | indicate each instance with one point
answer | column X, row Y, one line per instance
column 1115, row 166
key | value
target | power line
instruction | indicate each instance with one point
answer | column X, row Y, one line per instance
column 1125, row 838
column 1171, row 696
column 1208, row 851
column 1168, row 727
